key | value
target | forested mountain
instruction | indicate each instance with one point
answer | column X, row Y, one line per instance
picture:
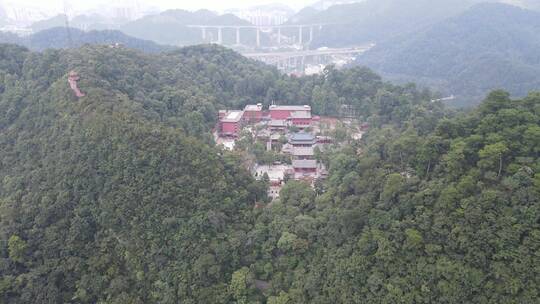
column 443, row 215
column 95, row 22
column 60, row 37
column 170, row 28
column 82, row 22
column 306, row 13
column 121, row 197
column 488, row 47
column 324, row 4
column 528, row 4
column 116, row 176
column 55, row 21
column 378, row 20
column 7, row 37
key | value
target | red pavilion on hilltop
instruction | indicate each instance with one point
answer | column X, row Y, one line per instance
column 73, row 77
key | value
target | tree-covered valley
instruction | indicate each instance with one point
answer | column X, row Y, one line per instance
column 461, row 48
column 121, row 196
column 490, row 46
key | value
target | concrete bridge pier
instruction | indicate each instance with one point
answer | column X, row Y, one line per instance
column 203, row 29
column 220, row 35
column 214, row 33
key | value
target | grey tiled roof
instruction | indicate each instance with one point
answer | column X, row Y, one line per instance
column 304, row 163
column 302, row 137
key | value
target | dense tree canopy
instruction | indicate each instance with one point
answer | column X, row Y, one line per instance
column 449, row 214
column 121, row 197
column 490, row 46
column 360, row 22
column 105, row 197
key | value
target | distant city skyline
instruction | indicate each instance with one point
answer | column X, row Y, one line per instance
column 57, row 6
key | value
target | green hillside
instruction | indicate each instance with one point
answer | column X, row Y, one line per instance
column 378, row 20
column 120, row 196
column 60, row 38
column 100, row 184
column 86, row 22
column 170, row 27
column 167, row 28
column 55, row 21
column 491, row 46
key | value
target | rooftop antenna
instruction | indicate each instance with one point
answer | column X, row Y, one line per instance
column 73, row 76
column 68, row 30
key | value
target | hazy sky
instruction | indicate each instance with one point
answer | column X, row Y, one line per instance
column 217, row 5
